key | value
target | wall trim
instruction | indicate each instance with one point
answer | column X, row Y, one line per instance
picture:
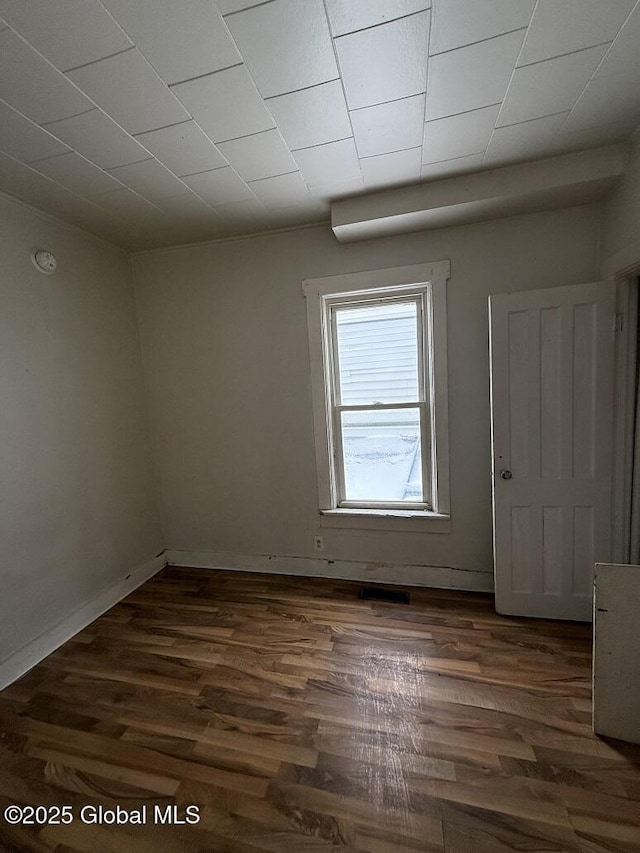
column 231, row 238
column 25, row 658
column 439, row 577
column 53, row 219
column 624, row 263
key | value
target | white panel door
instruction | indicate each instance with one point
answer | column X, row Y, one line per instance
column 552, row 415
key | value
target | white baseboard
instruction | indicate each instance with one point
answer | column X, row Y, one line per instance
column 441, row 577
column 35, row 650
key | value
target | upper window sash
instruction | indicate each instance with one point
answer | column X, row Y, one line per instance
column 420, row 299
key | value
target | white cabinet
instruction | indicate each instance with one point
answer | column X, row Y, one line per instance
column 616, row 652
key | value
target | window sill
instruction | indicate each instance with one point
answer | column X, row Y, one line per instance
column 402, row 520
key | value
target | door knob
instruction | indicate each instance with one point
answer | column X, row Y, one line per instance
column 506, row 475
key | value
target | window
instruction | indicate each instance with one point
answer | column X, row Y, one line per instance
column 378, row 362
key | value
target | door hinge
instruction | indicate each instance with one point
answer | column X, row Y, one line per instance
column 619, row 322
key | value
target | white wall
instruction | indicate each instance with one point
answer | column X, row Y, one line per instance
column 621, row 219
column 224, row 338
column 77, row 502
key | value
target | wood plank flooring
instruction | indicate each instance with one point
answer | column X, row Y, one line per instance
column 300, row 719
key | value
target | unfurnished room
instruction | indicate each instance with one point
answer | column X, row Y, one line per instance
column 319, row 426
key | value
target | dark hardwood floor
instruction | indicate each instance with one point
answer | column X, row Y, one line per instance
column 300, row 719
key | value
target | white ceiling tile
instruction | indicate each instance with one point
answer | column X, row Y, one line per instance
column 66, row 32
column 611, row 99
column 180, row 41
column 310, row 210
column 98, row 138
column 471, row 77
column 386, row 62
column 399, row 167
column 77, row 174
column 220, row 186
column 347, row 16
column 448, row 168
column 36, row 189
column 43, row 193
column 286, row 45
column 33, row 86
column 129, row 206
column 181, row 230
column 459, row 22
column 89, row 216
column 228, row 7
column 149, row 179
column 188, row 206
column 281, row 191
column 459, row 136
column 331, row 188
column 388, row 127
column 592, row 137
column 156, row 235
column 304, row 212
column 241, row 212
column 262, row 155
column 312, row 116
column 529, row 140
column 183, row 148
column 147, row 105
column 25, row 140
column 335, row 160
column 548, row 87
column 214, row 103
column 558, row 28
column 623, row 57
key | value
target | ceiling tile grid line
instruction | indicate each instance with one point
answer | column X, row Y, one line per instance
column 94, row 185
column 179, row 46
column 519, row 153
column 378, row 23
column 89, row 33
column 459, row 23
column 507, row 91
column 238, row 107
column 375, row 140
column 232, row 7
column 432, row 35
column 601, row 44
column 91, row 63
column 206, row 74
column 633, row 19
column 24, row 139
column 347, row 122
column 31, row 84
column 95, row 61
column 90, row 163
column 95, row 201
column 478, row 41
column 385, row 62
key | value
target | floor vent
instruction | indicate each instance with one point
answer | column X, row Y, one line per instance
column 382, row 593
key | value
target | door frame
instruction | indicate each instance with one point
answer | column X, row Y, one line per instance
column 626, row 355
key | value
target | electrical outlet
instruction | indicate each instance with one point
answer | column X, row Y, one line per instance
column 318, row 544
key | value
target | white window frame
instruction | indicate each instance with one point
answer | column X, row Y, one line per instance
column 426, row 283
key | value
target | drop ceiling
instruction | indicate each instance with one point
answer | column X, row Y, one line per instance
column 160, row 122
